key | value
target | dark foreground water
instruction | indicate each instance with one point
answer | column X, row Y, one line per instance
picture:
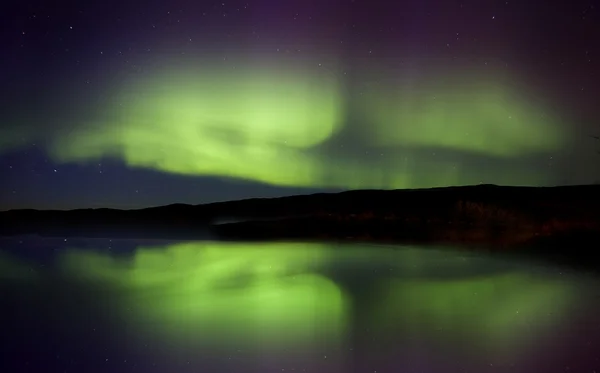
column 125, row 306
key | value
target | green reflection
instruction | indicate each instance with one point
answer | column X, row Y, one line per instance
column 490, row 310
column 276, row 296
column 267, row 294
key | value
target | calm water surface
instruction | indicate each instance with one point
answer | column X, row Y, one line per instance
column 132, row 306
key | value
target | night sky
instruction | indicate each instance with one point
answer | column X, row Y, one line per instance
column 130, row 104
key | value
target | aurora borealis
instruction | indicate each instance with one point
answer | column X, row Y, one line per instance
column 117, row 105
column 273, row 127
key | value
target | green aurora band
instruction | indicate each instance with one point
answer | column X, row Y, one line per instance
column 253, row 125
column 276, row 123
column 473, row 113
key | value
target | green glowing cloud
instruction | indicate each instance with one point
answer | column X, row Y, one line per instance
column 252, row 124
column 277, row 123
column 468, row 113
column 264, row 295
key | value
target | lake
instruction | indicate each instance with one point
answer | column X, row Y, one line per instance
column 83, row 305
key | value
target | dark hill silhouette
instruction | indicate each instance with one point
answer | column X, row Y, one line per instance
column 476, row 214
